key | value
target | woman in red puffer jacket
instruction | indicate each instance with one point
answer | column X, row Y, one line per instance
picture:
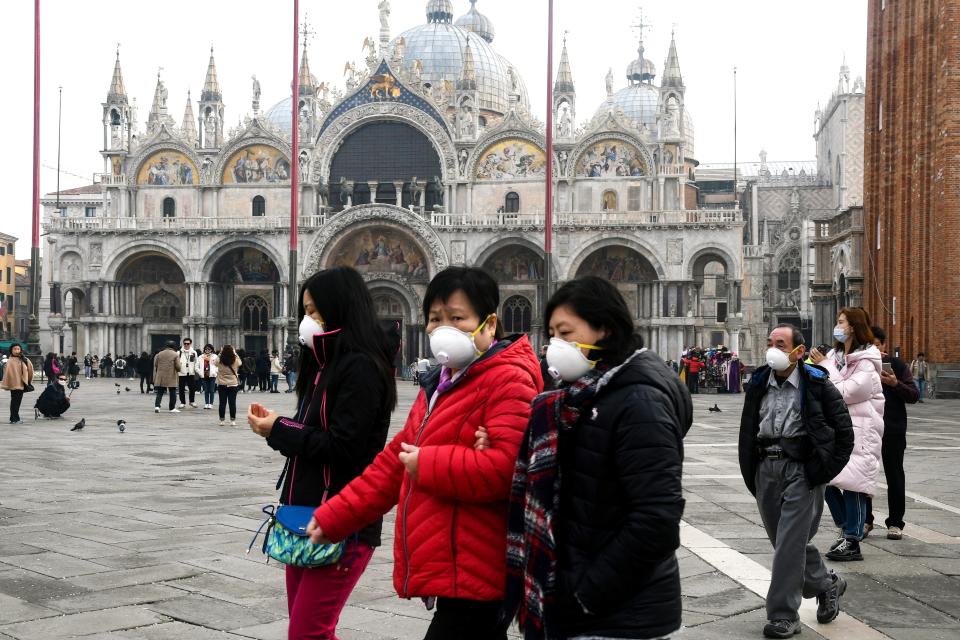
column 452, row 499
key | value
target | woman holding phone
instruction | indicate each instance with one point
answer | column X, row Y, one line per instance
column 345, row 395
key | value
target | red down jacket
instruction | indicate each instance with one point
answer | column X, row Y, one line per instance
column 451, row 523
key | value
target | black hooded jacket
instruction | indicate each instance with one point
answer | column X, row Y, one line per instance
column 828, row 443
column 621, row 504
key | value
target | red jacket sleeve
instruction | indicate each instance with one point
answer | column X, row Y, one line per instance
column 460, row 472
column 372, row 493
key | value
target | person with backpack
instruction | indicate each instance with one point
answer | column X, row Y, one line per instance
column 187, row 374
column 344, row 399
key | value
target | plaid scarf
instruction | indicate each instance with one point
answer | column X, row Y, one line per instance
column 535, row 505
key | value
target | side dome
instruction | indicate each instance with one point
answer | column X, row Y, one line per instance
column 475, row 22
column 638, row 102
column 281, row 115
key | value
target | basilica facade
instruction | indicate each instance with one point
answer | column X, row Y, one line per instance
column 429, row 156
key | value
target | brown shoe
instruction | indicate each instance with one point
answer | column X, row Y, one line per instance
column 894, row 533
column 867, row 528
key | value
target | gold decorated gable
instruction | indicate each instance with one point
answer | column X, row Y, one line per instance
column 256, row 164
column 511, row 159
column 168, row 168
column 611, row 159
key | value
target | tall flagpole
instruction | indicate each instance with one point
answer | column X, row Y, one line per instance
column 293, row 290
column 33, row 339
column 735, row 134
column 548, row 202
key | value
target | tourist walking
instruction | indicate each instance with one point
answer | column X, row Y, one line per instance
column 106, row 366
column 144, row 368
column 918, row 369
column 899, row 390
column 94, row 366
column 166, row 367
column 594, row 527
column 73, row 367
column 187, row 378
column 276, row 369
column 795, row 436
column 17, row 379
column 290, row 368
column 50, row 368
column 87, row 366
column 120, row 367
column 208, row 373
column 132, row 366
column 226, row 367
column 854, row 366
column 345, row 396
column 432, row 472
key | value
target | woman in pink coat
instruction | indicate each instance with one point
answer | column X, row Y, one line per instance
column 854, row 366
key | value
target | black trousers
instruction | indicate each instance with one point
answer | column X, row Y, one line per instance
column 894, row 444
column 144, row 379
column 458, row 619
column 173, row 397
column 187, row 382
column 227, row 394
column 16, row 397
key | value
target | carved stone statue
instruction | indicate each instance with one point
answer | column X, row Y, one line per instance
column 210, row 131
column 384, row 8
column 609, row 80
column 671, row 126
column 565, row 127
column 513, row 80
column 438, row 189
column 462, row 157
column 562, row 156
column 323, row 192
column 256, row 95
column 205, row 168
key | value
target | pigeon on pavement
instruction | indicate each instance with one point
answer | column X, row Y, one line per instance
column 122, row 425
column 715, row 408
column 79, row 425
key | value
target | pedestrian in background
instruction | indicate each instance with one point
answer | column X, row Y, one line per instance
column 795, row 436
column 207, row 372
column 106, row 366
column 276, row 369
column 228, row 383
column 51, row 368
column 144, row 367
column 17, row 377
column 596, row 501
column 187, row 374
column 899, row 390
column 432, row 472
column 250, row 364
column 854, row 366
column 120, row 367
column 918, row 369
column 73, row 367
column 94, row 366
column 166, row 369
column 263, row 370
column 290, row 368
column 87, row 366
column 345, row 396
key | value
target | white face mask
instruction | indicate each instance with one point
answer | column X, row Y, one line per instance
column 565, row 360
column 778, row 360
column 839, row 334
column 454, row 348
column 309, row 328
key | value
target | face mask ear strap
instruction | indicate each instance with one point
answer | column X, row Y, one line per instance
column 474, row 333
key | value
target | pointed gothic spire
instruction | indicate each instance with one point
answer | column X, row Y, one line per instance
column 189, row 126
column 307, row 81
column 671, row 68
column 158, row 111
column 564, row 82
column 468, row 77
column 211, row 86
column 117, row 92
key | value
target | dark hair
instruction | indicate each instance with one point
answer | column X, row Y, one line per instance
column 603, row 307
column 859, row 321
column 797, row 336
column 208, row 345
column 227, row 355
column 922, row 354
column 879, row 334
column 144, row 354
column 477, row 285
column 170, row 344
column 342, row 298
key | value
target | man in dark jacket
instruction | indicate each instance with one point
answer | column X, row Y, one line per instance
column 899, row 390
column 795, row 436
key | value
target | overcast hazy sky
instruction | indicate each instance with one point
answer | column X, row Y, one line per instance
column 787, row 55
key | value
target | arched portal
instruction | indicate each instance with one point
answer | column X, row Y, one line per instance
column 393, row 312
column 713, row 293
column 245, row 294
column 633, row 275
column 381, row 249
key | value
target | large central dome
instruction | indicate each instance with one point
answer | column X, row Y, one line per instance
column 440, row 47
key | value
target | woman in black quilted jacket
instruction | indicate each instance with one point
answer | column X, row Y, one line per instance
column 608, row 447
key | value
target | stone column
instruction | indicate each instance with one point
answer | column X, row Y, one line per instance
column 398, row 189
column 469, row 198
column 372, row 185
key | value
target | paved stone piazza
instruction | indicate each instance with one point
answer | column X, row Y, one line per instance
column 142, row 534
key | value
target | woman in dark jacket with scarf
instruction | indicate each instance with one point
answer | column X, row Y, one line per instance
column 609, row 451
column 345, row 394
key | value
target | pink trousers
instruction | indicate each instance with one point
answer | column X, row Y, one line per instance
column 315, row 597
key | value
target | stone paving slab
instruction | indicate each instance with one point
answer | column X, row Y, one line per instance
column 142, row 534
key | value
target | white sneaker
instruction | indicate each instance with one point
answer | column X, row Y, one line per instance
column 233, row 423
column 221, row 423
column 183, row 406
column 174, row 410
column 193, row 404
column 156, row 409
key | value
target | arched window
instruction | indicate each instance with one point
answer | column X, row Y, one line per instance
column 517, row 312
column 253, row 314
column 788, row 274
column 609, row 201
column 259, row 206
column 512, row 202
column 169, row 208
column 161, row 306
column 114, row 117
